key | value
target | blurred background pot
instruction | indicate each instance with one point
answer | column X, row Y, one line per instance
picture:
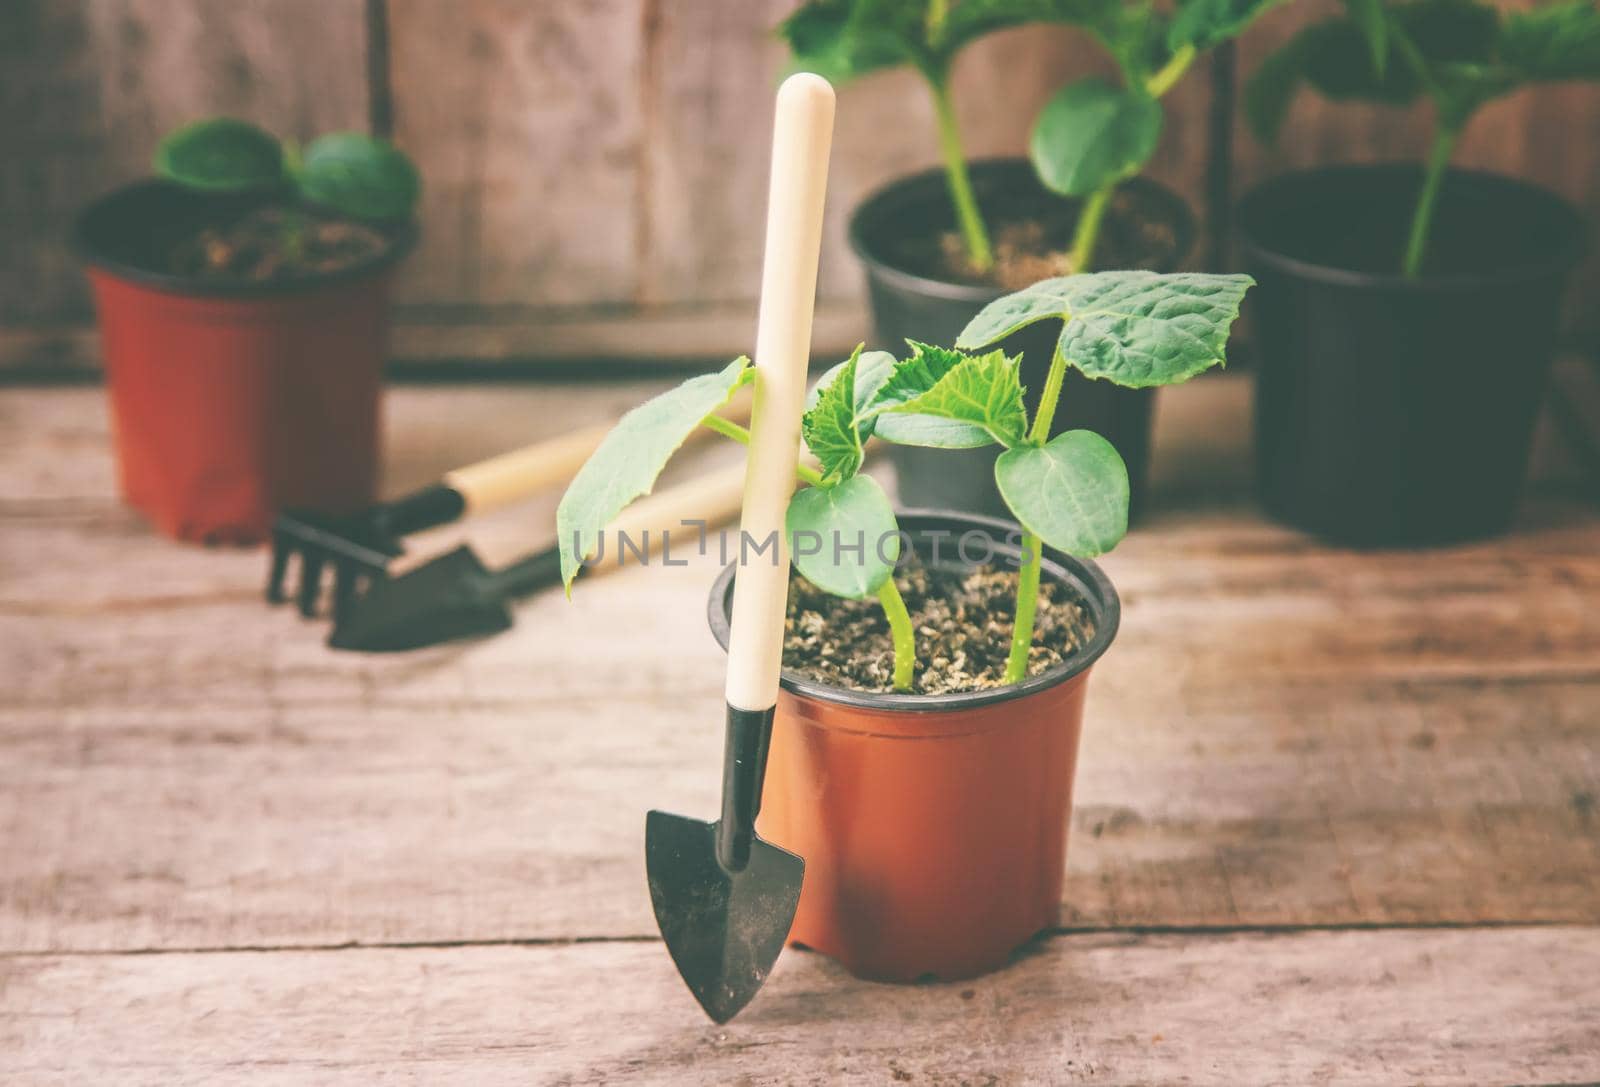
column 1392, row 411
column 933, row 827
column 231, row 400
column 899, row 234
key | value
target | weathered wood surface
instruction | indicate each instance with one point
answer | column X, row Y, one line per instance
column 1436, row 1007
column 232, row 856
column 1284, row 735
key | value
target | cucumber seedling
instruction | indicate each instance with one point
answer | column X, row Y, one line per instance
column 1457, row 54
column 1089, row 137
column 1069, row 492
column 358, row 176
column 837, row 513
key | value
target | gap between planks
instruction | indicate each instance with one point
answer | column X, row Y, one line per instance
column 1043, row 938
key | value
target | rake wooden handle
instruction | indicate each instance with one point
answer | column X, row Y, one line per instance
column 510, row 477
column 802, row 132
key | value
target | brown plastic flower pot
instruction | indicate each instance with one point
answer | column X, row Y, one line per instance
column 231, row 401
column 933, row 827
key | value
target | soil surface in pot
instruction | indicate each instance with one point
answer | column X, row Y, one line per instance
column 273, row 243
column 1033, row 241
column 963, row 624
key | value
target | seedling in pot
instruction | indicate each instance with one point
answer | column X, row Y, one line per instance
column 1091, row 135
column 1137, row 329
column 362, row 180
column 1458, row 54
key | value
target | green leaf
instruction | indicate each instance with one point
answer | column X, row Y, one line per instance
column 360, row 176
column 1071, row 492
column 981, row 390
column 872, row 370
column 1133, row 328
column 1372, row 20
column 825, row 525
column 1551, row 43
column 630, row 458
column 830, row 428
column 1205, row 24
column 842, row 40
column 913, row 377
column 1091, row 134
column 221, row 155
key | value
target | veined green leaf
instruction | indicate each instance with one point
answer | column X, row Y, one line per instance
column 1071, row 492
column 221, row 155
column 843, row 536
column 830, row 428
column 1133, row 328
column 630, row 458
column 912, row 377
column 872, row 370
column 1092, row 134
column 981, row 390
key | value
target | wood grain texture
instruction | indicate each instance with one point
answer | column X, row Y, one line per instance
column 525, row 121
column 1284, row 734
column 714, row 66
column 1442, row 1007
column 87, row 87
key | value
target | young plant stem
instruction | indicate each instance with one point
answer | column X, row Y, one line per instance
column 1444, row 143
column 973, row 233
column 1027, row 605
column 1172, row 71
column 1032, row 546
column 894, row 606
column 1087, row 231
column 905, row 636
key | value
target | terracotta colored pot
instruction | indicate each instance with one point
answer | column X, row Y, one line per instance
column 933, row 827
column 230, row 402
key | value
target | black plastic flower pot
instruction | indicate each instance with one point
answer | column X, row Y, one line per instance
column 1391, row 411
column 897, row 232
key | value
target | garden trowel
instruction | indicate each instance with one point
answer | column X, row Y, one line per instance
column 456, row 596
column 724, row 899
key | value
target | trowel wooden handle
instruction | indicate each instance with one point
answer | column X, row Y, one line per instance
column 712, row 498
column 802, row 132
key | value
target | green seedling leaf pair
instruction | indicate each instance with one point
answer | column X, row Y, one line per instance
column 1069, row 491
column 1459, row 54
column 356, row 175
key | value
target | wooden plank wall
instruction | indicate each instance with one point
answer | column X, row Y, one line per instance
column 595, row 169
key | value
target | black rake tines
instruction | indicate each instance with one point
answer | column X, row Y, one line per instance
column 358, row 551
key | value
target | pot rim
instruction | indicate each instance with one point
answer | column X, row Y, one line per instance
column 1252, row 247
column 403, row 237
column 982, row 293
column 1085, row 577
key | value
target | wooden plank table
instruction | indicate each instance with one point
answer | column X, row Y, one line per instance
column 1336, row 813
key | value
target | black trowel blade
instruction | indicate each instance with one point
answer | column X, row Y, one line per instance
column 448, row 598
column 724, row 929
